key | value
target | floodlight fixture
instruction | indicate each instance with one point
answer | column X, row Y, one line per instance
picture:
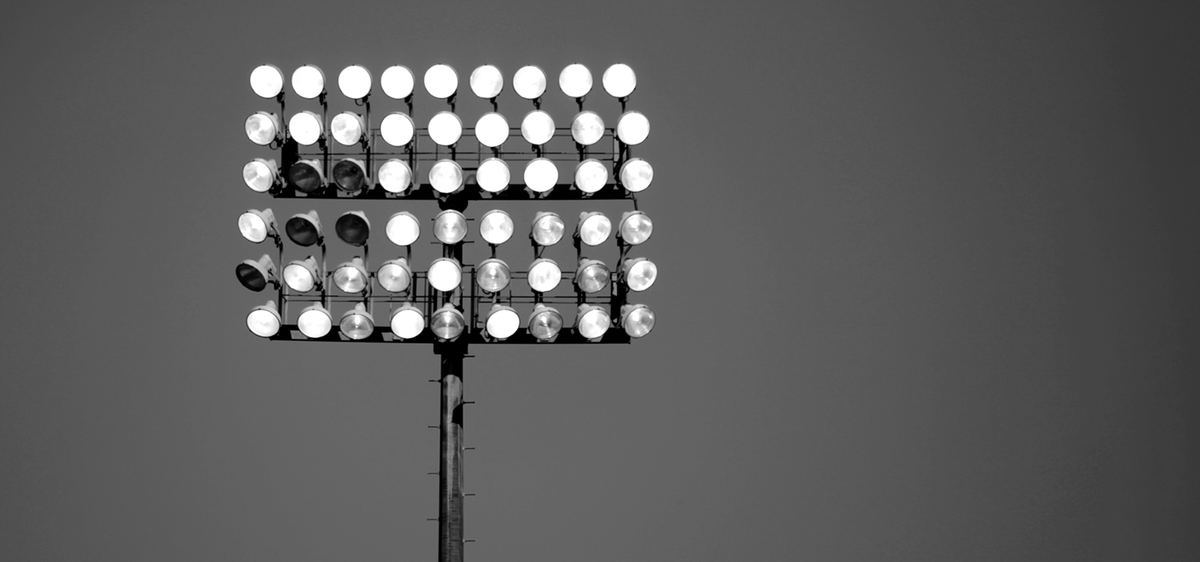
column 638, row 273
column 592, row 276
column 635, row 228
column 267, row 81
column 264, row 320
column 575, row 80
column 256, row 226
column 487, row 82
column 492, row 175
column 593, row 228
column 590, row 176
column 547, row 228
column 541, row 175
column 633, row 128
column 496, row 227
column 306, row 176
column 403, row 228
column 397, row 82
column 347, row 128
column 351, row 277
column 492, row 275
column 256, row 274
column 304, row 228
column 450, row 227
column 545, row 323
column 261, row 175
column 592, row 322
column 314, row 321
column 637, row 320
column 395, row 276
column 529, row 82
column 587, row 128
column 445, row 128
column 306, row 128
column 355, row 82
column 302, row 276
column 446, row 176
column 491, row 130
column 395, row 176
column 447, row 323
column 537, row 127
column 357, row 323
column 445, row 275
column 544, row 275
column 353, row 228
column 263, row 128
column 308, row 82
column 501, row 322
column 441, row 81
column 407, row 322
column 619, row 80
column 636, row 174
column 350, row 175
column 397, row 129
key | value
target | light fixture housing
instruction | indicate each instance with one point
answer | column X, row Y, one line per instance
column 264, row 320
column 357, row 323
column 537, row 127
column 355, row 82
column 267, row 81
column 491, row 130
column 547, row 228
column 544, row 275
column 304, row 228
column 501, row 322
column 592, row 322
column 619, row 80
column 308, row 82
column 302, row 276
column 590, row 176
column 395, row 276
column 637, row 320
column 445, row 128
column 397, row 82
column 348, row 128
column 306, row 128
column 263, row 128
column 350, row 175
column 447, row 323
column 587, row 128
column 575, row 80
column 395, row 176
column 446, row 177
column 593, row 228
column 261, row 175
column 450, row 227
column 633, row 128
column 256, row 274
column 403, row 228
column 351, row 277
column 492, row 175
column 545, row 323
column 592, row 276
column 353, row 228
column 638, row 273
column 314, row 321
column 487, row 82
column 541, row 175
column 407, row 322
column 496, row 227
column 635, row 228
column 636, row 174
column 307, row 176
column 492, row 275
column 441, row 81
column 445, row 275
column 256, row 226
column 397, row 129
column 529, row 82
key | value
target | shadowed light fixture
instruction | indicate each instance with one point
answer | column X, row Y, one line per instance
column 306, row 176
column 304, row 228
column 353, row 228
column 350, row 175
column 256, row 274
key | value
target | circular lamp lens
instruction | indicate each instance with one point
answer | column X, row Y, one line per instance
column 350, row 175
column 592, row 277
column 545, row 323
column 350, row 277
column 496, row 227
column 544, row 275
column 445, row 128
column 256, row 226
column 262, row 128
column 619, row 80
column 594, row 229
column 301, row 275
column 591, row 176
column 547, row 229
column 592, row 322
column 354, row 82
column 636, row 174
column 308, row 82
column 353, row 228
column 492, row 175
column 255, row 274
column 447, row 323
column 396, row 129
column 266, row 81
column 441, row 81
column 347, row 128
column 407, row 322
column 403, row 229
column 492, row 275
column 446, row 176
column 537, row 127
column 397, row 82
column 502, row 322
column 637, row 320
column 587, row 128
column 633, row 128
column 541, row 175
column 575, row 80
column 445, row 275
column 491, row 130
column 394, row 276
column 314, row 322
column 306, row 176
column 487, row 81
column 356, row 324
column 529, row 82
column 395, row 176
column 450, row 227
column 304, row 228
column 636, row 228
column 260, row 175
column 264, row 321
column 305, row 128
column 639, row 273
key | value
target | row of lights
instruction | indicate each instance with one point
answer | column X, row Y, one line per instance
column 441, row 81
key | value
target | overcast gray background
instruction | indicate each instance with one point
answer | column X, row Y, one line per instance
column 928, row 292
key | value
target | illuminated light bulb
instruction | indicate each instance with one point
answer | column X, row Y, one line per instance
column 636, row 174
column 590, row 176
column 403, row 228
column 501, row 322
column 355, row 82
column 633, row 128
column 397, row 129
column 394, row 275
column 594, row 228
column 264, row 320
column 592, row 322
column 639, row 273
column 351, row 277
column 544, row 275
column 446, row 177
column 447, row 323
column 395, row 176
column 492, row 275
column 541, row 175
column 445, row 128
column 491, row 130
column 529, row 82
column 262, row 128
column 397, row 82
column 445, row 275
column 547, row 228
column 314, row 322
column 260, row 175
column 545, row 323
column 635, row 228
column 304, row 228
column 306, row 176
column 496, row 227
column 619, row 80
column 302, row 276
column 575, row 80
column 592, row 276
column 356, row 323
column 441, row 81
column 353, row 228
column 492, row 175
column 637, row 320
column 407, row 322
column 487, row 82
column 350, row 175
column 256, row 226
column 256, row 274
column 450, row 227
column 587, row 128
column 537, row 127
column 306, row 128
column 266, row 81
column 347, row 128
column 308, row 82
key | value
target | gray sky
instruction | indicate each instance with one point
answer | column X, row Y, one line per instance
column 927, row 292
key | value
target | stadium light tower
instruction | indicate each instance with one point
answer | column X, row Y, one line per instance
column 306, row 156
